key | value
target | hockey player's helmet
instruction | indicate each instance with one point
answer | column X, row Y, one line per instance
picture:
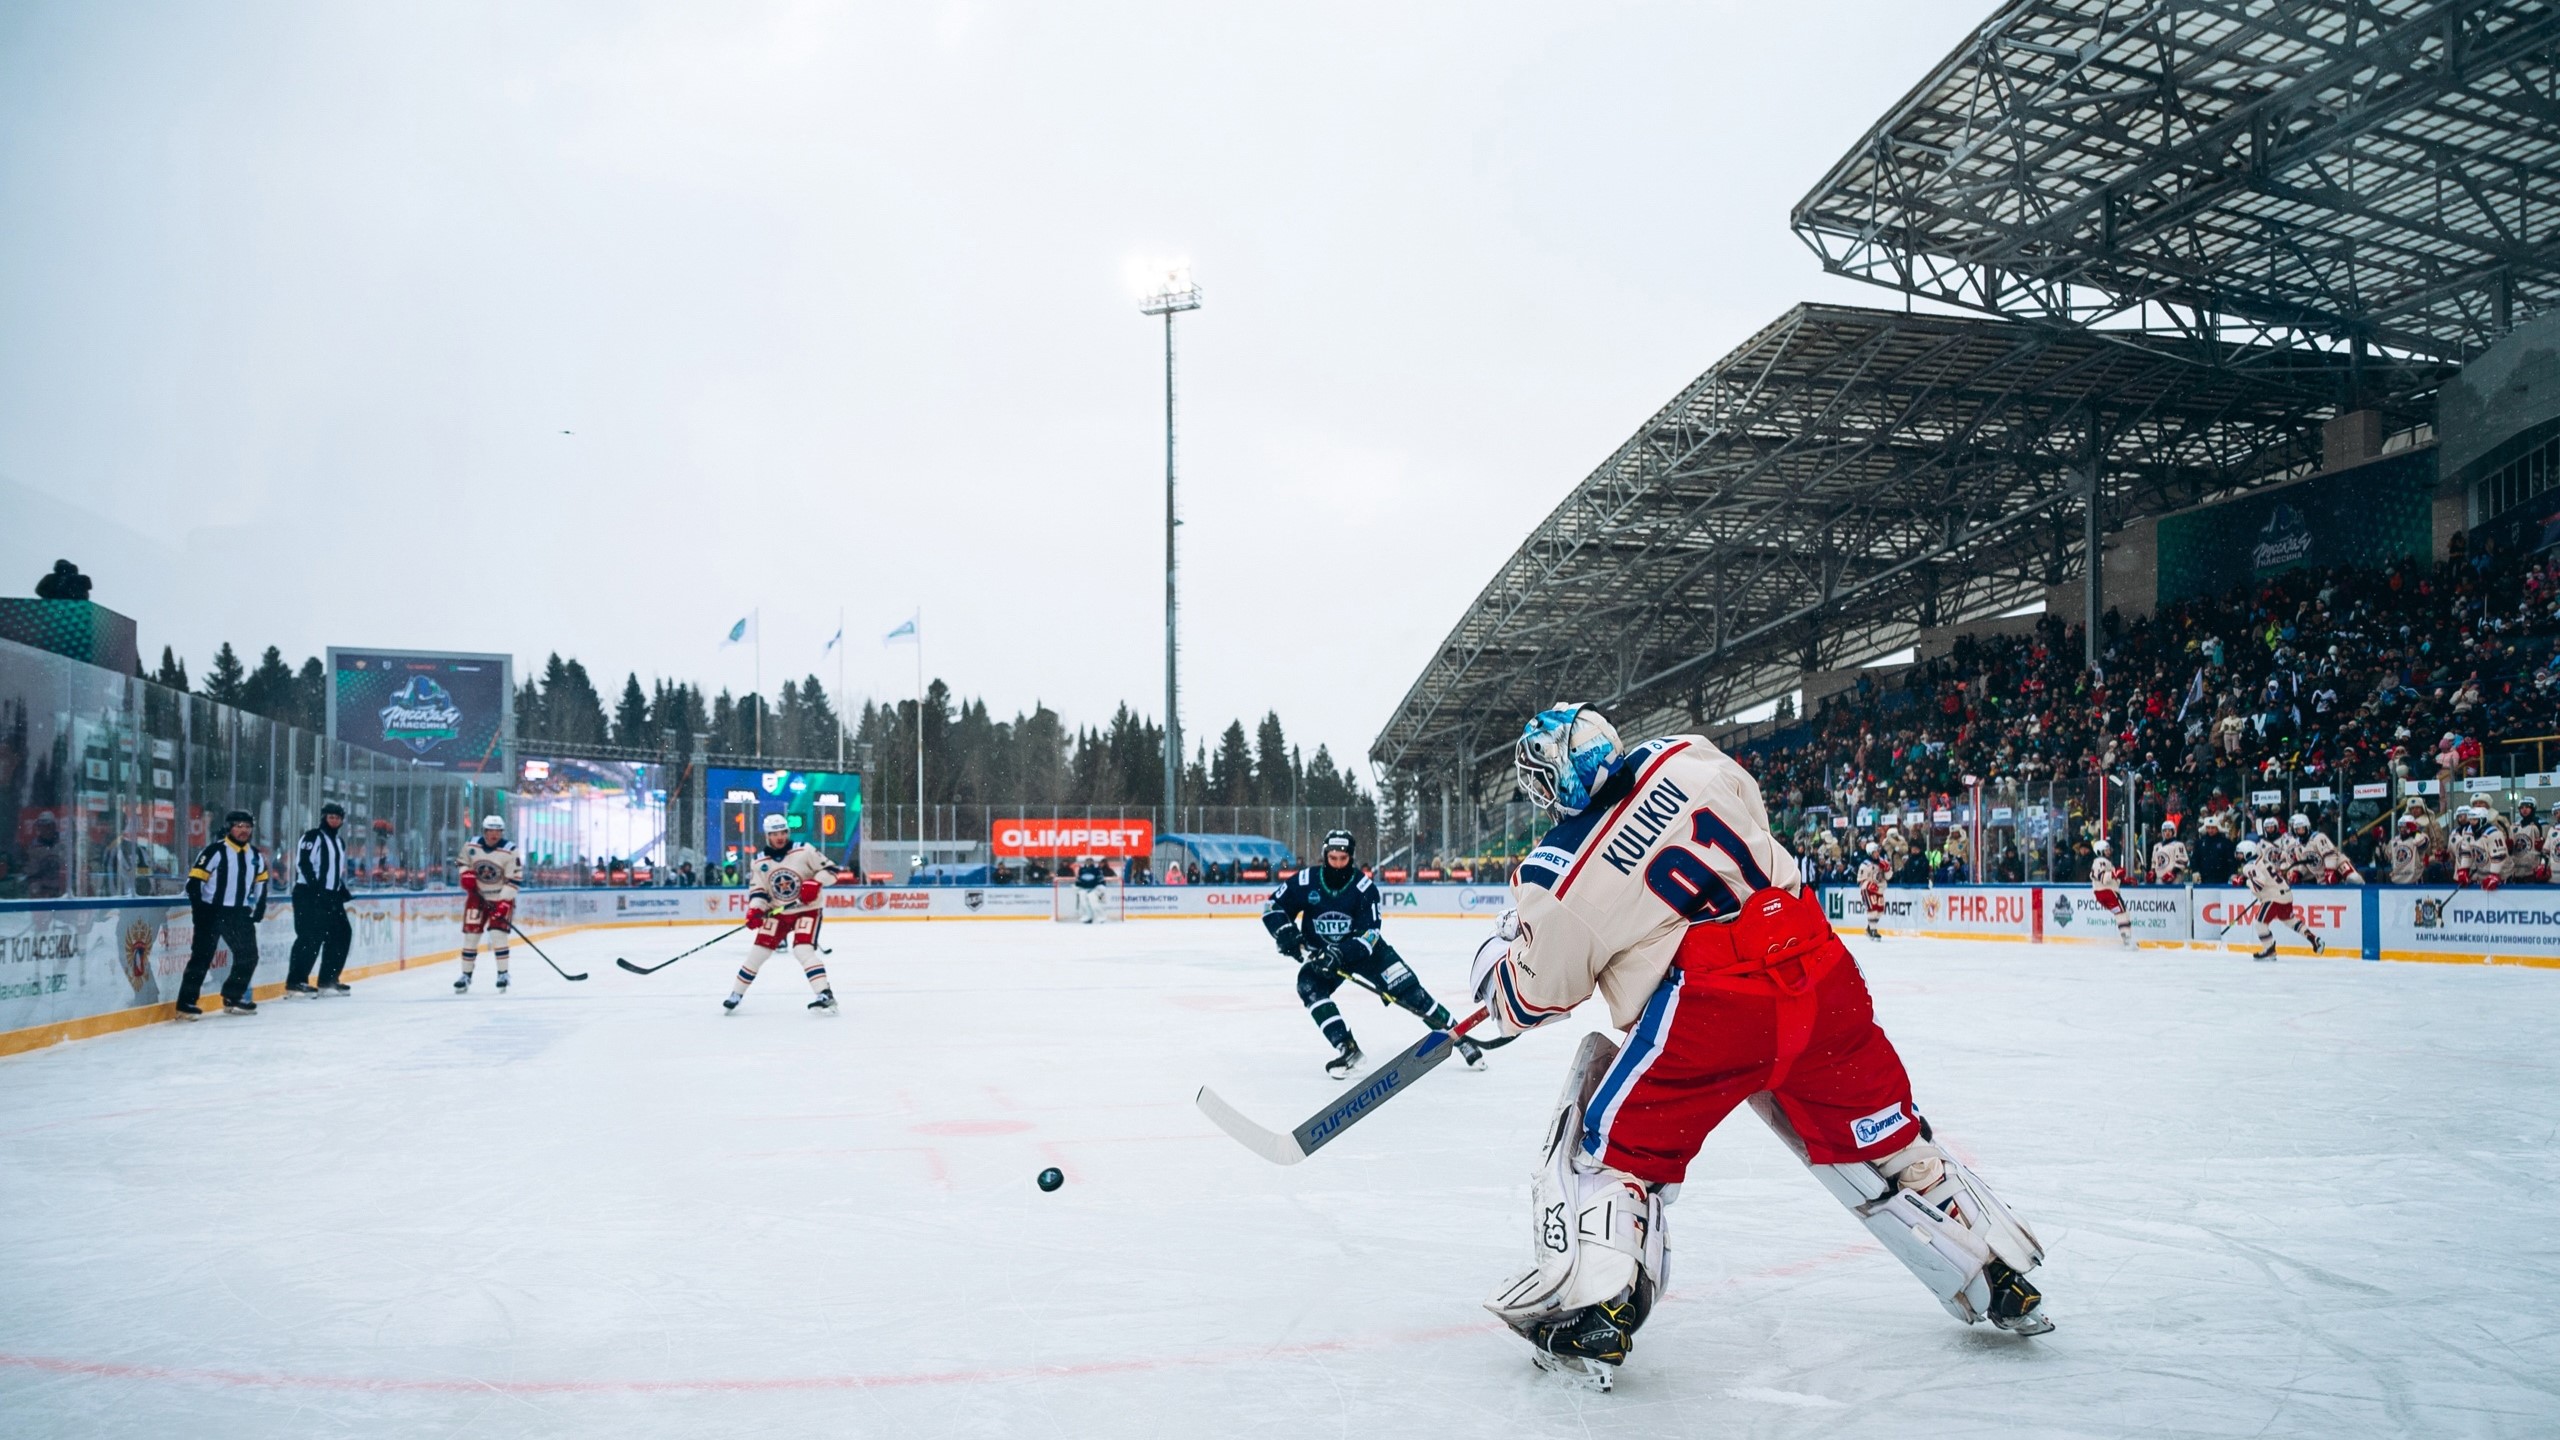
column 2301, row 824
column 238, row 817
column 1339, row 840
column 2168, row 829
column 777, row 825
column 333, row 808
column 495, row 822
column 1565, row 753
column 2248, row 850
column 2408, row 823
column 2100, row 845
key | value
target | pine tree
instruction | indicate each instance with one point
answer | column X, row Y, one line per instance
column 311, row 695
column 222, row 680
column 1231, row 770
column 1273, row 780
column 269, row 689
column 173, row 671
column 631, row 725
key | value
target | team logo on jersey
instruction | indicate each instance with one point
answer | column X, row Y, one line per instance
column 487, row 870
column 421, row 715
column 1333, row 924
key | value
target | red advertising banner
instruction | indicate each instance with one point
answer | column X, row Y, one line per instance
column 1124, row 838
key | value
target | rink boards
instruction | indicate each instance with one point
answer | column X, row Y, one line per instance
column 2516, row 926
column 85, row 967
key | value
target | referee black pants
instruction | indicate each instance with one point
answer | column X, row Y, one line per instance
column 320, row 931
column 228, row 925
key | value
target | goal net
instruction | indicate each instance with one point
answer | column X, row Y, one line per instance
column 1068, row 905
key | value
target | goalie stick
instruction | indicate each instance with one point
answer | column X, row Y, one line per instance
column 1320, row 1129
column 670, row 960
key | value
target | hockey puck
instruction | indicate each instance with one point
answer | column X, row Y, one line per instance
column 1052, row 1178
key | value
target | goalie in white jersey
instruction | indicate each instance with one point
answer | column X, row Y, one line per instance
column 786, row 883
column 1661, row 890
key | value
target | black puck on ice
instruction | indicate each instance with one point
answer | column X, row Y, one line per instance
column 1052, row 1178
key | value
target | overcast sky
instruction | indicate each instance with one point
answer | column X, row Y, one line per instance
column 591, row 328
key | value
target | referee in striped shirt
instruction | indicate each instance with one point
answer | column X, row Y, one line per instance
column 228, row 889
column 320, row 894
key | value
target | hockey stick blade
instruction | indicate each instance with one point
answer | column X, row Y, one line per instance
column 670, row 960
column 1326, row 1125
column 547, row 960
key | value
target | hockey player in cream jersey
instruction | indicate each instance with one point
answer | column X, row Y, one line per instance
column 2104, row 887
column 2526, row 862
column 2169, row 860
column 2408, row 851
column 2323, row 863
column 1661, row 891
column 491, row 871
column 2479, row 847
column 2271, row 896
column 786, row 883
column 1871, row 888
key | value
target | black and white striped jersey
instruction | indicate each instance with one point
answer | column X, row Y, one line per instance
column 320, row 861
column 231, row 876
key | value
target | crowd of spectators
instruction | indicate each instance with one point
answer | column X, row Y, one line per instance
column 2311, row 678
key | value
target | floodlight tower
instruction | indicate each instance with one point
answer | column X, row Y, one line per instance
column 1178, row 295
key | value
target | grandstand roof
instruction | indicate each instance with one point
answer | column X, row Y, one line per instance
column 1843, row 478
column 2383, row 171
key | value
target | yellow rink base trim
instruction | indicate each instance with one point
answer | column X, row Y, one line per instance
column 2227, row 947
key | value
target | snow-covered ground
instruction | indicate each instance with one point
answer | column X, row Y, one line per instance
column 2311, row 1198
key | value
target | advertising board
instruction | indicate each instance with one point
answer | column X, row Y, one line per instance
column 1126, row 839
column 435, row 710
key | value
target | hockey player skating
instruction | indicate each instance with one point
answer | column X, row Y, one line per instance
column 2104, row 883
column 2169, row 860
column 786, row 885
column 2271, row 896
column 491, row 873
column 1871, row 888
column 1090, row 877
column 1661, row 889
column 1326, row 918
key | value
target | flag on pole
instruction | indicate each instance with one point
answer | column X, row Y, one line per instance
column 837, row 640
column 905, row 631
column 741, row 632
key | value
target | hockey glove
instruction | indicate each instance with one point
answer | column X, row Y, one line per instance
column 1289, row 941
column 809, row 891
column 470, row 883
column 1495, row 949
column 2489, row 884
column 2461, row 877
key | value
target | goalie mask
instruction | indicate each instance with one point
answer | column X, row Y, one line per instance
column 1564, row 755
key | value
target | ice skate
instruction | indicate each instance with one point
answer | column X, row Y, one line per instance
column 2016, row 1306
column 2265, row 952
column 825, row 1004
column 463, row 983
column 502, row 981
column 1588, row 1344
column 295, row 988
column 336, row 987
column 2318, row 945
column 238, row 1007
column 1344, row 1061
column 1872, row 932
column 189, row 1012
column 730, row 1005
column 2126, row 939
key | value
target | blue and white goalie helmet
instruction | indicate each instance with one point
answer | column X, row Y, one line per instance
column 1565, row 753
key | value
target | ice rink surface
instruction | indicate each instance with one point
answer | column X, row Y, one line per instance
column 2310, row 1198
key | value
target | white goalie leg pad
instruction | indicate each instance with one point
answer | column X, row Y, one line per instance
column 1930, row 1212
column 1595, row 1231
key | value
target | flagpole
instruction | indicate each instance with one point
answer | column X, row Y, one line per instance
column 758, row 615
column 839, row 689
column 919, row 624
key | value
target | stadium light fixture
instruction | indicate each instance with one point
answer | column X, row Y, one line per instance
column 1176, row 295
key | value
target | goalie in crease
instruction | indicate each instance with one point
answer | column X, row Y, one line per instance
column 1326, row 918
column 1661, row 890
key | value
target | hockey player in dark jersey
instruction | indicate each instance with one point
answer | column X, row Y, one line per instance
column 1326, row 918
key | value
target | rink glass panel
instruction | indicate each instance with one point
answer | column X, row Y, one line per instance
column 111, row 782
